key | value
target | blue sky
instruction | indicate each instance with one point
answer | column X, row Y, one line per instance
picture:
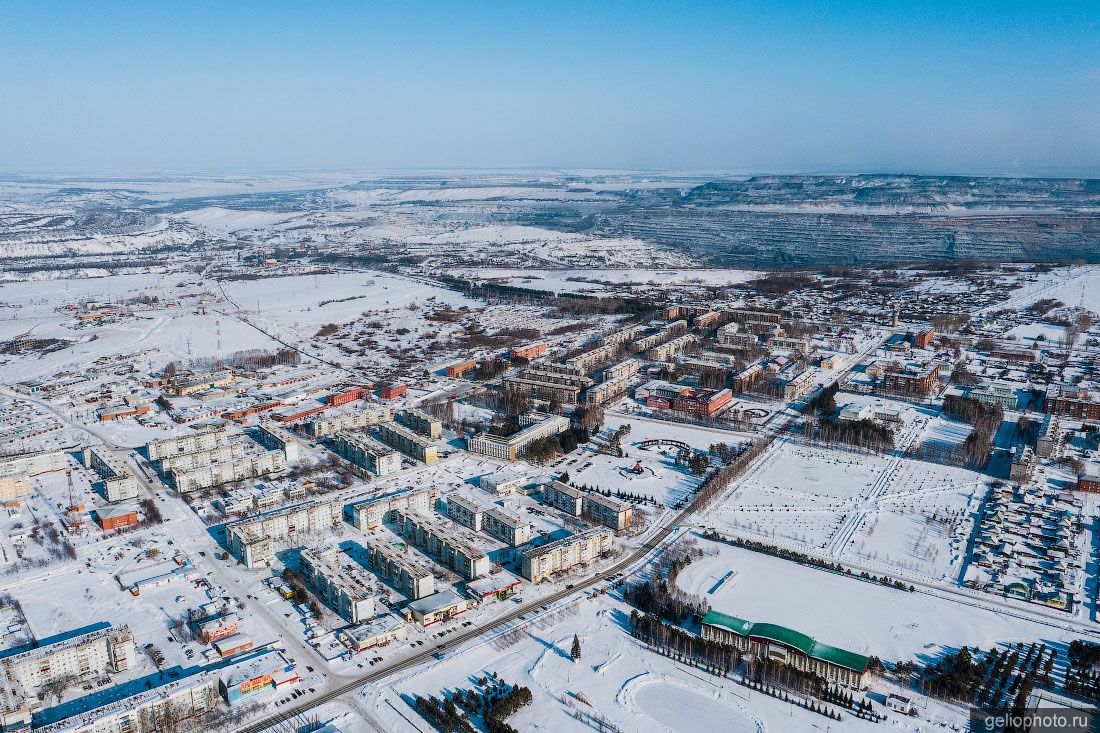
column 988, row 88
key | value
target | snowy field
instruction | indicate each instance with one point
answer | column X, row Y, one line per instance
column 859, row 616
column 627, row 685
column 598, row 280
column 893, row 514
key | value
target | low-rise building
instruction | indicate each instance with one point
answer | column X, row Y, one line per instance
column 1002, row 395
column 495, row 587
column 441, row 606
column 779, row 643
column 379, row 631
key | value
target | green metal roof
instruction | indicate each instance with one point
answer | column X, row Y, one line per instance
column 789, row 637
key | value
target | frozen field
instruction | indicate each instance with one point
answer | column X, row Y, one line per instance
column 899, row 515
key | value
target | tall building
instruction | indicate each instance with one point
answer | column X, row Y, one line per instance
column 539, row 563
column 340, row 582
column 252, row 540
column 371, row 513
column 411, row 444
column 508, row 527
column 367, row 453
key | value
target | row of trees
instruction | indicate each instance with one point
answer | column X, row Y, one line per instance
column 865, row 435
column 673, row 641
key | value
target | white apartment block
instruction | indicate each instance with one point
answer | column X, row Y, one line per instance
column 189, row 443
column 563, row 497
column 371, row 513
column 539, row 563
column 341, row 582
column 411, row 444
column 421, row 422
column 160, row 709
column 727, row 332
column 623, row 370
column 33, row 463
column 87, row 656
column 508, row 527
column 320, row 426
column 273, row 436
column 466, row 512
column 664, row 352
column 252, row 465
column 608, row 511
column 367, row 453
column 118, row 483
column 452, row 549
column 252, row 540
column 400, row 570
column 196, row 459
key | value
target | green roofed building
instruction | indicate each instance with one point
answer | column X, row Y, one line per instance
column 780, row 644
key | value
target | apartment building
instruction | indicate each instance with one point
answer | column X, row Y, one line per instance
column 421, row 422
column 727, row 332
column 624, row 335
column 539, row 563
column 789, row 343
column 344, row 585
column 118, row 483
column 1050, row 438
column 1080, row 402
column 324, row 425
column 664, row 352
column 367, row 453
column 531, row 351
column 251, row 465
column 195, row 459
column 371, row 513
column 536, row 426
column 625, row 369
column 188, row 443
column 508, row 527
column 400, row 570
column 466, row 512
column 276, row 437
column 604, row 392
column 563, row 497
column 746, row 315
column 252, row 540
column 990, row 393
column 608, row 511
column 412, row 445
column 541, row 389
column 86, row 656
column 592, row 358
column 14, row 486
column 453, row 550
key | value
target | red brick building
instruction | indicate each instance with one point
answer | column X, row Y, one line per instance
column 392, row 392
column 532, row 351
column 461, row 368
column 344, row 395
column 114, row 518
column 923, row 339
column 1089, row 483
column 1076, row 402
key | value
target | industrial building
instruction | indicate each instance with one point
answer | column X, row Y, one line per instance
column 341, row 583
column 536, row 426
column 252, row 540
column 368, row 454
column 371, row 513
column 778, row 643
column 460, row 554
column 412, row 445
column 539, row 563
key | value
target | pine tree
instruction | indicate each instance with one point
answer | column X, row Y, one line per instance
column 576, row 651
